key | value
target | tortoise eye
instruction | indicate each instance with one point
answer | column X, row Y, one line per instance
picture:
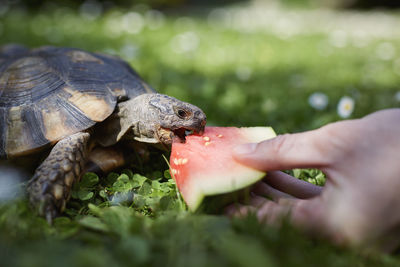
column 183, row 114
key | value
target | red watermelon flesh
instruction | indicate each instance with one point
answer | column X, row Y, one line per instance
column 204, row 165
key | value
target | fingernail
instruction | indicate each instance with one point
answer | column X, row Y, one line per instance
column 245, row 149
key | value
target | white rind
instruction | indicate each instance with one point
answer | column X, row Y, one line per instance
column 258, row 134
column 232, row 183
column 241, row 177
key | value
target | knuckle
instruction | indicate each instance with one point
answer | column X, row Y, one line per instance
column 281, row 144
column 336, row 141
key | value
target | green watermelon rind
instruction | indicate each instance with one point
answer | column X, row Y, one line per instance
column 243, row 178
column 249, row 177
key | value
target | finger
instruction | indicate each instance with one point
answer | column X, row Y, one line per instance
column 283, row 182
column 273, row 213
column 268, row 191
column 257, row 201
column 305, row 214
column 266, row 210
column 310, row 216
column 269, row 212
column 238, row 210
column 288, row 151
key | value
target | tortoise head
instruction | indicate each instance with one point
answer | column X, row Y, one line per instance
column 152, row 118
column 173, row 118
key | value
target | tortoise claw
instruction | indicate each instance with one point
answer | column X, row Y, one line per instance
column 50, row 215
column 47, row 208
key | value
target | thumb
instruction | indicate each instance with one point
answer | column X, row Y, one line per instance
column 301, row 150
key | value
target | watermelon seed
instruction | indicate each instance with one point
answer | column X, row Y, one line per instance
column 207, row 143
column 220, row 135
column 206, row 138
column 180, row 161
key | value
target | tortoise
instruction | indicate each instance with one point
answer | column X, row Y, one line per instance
column 75, row 107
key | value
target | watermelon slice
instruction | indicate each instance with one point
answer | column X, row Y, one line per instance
column 204, row 166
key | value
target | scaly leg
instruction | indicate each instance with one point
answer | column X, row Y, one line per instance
column 50, row 187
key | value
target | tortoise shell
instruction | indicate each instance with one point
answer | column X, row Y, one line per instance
column 49, row 93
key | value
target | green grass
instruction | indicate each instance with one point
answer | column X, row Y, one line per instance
column 238, row 78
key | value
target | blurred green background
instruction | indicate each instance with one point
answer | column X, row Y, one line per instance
column 292, row 64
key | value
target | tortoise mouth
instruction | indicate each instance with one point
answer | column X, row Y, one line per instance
column 181, row 133
column 169, row 136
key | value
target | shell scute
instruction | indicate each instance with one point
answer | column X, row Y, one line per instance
column 49, row 93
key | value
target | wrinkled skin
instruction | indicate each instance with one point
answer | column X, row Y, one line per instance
column 358, row 206
column 151, row 118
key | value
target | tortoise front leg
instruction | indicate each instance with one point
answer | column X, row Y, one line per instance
column 50, row 187
column 103, row 160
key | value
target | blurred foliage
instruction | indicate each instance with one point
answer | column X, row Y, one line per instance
column 364, row 3
column 119, row 234
column 239, row 76
column 162, row 4
column 343, row 4
column 108, row 4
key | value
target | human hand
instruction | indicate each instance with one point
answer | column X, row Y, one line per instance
column 360, row 203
